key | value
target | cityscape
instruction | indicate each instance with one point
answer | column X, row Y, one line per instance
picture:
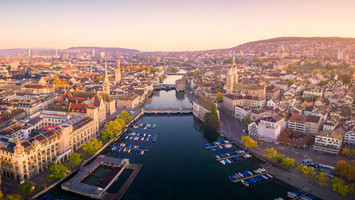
column 178, row 100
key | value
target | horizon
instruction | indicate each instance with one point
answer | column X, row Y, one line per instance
column 49, row 48
column 168, row 25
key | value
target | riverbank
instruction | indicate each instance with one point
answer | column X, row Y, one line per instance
column 229, row 129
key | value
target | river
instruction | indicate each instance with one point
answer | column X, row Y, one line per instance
column 179, row 167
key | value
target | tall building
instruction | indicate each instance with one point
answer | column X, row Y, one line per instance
column 232, row 77
column 118, row 72
column 106, row 83
column 93, row 53
column 29, row 53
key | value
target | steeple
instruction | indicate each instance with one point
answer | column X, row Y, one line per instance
column 118, row 72
column 106, row 83
column 106, row 77
column 259, row 75
column 233, row 59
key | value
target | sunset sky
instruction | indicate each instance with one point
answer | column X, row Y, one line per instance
column 151, row 25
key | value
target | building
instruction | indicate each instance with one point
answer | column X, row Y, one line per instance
column 270, row 127
column 313, row 124
column 180, row 85
column 118, row 72
column 128, row 101
column 297, row 123
column 106, row 83
column 23, row 159
column 232, row 100
column 242, row 112
column 202, row 106
column 328, row 142
column 349, row 137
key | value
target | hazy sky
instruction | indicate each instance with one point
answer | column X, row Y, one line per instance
column 167, row 25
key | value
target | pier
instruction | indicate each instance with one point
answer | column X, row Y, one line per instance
column 131, row 147
column 217, row 144
column 249, row 177
column 232, row 156
column 298, row 197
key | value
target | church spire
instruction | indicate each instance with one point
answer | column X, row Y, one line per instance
column 233, row 59
column 106, row 77
column 106, row 83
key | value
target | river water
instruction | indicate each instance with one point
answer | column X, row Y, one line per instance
column 179, row 167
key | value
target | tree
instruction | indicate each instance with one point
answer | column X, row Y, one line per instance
column 288, row 162
column 346, row 151
column 323, row 179
column 126, row 117
column 26, row 188
column 92, row 146
column 278, row 158
column 246, row 120
column 197, row 72
column 75, row 159
column 353, row 152
column 270, row 152
column 220, row 85
column 59, row 170
column 292, row 81
column 339, row 186
column 346, row 78
column 341, row 167
column 13, row 197
column 1, row 195
column 211, row 121
column 249, row 142
column 219, row 97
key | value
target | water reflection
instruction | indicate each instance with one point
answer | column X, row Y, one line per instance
column 210, row 136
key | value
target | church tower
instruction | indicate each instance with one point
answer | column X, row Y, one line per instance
column 118, row 72
column 106, row 84
column 235, row 72
column 230, row 81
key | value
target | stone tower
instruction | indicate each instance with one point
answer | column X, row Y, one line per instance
column 230, row 81
column 106, row 84
column 118, row 72
column 235, row 72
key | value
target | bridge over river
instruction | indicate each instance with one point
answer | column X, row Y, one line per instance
column 163, row 111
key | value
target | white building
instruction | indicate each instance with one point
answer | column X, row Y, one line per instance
column 349, row 138
column 328, row 142
column 270, row 127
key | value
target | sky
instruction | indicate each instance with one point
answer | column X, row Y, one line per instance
column 165, row 25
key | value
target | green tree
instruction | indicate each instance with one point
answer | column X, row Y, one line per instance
column 197, row 72
column 59, row 170
column 288, row 162
column 75, row 159
column 339, row 186
column 211, row 121
column 270, row 152
column 219, row 97
column 92, row 146
column 249, row 142
column 26, row 188
column 220, row 85
column 126, row 117
column 346, row 151
column 353, row 152
column 292, row 81
column 346, row 78
column 246, row 120
column 323, row 179
column 278, row 158
column 13, row 197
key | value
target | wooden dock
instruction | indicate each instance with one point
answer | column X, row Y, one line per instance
column 130, row 148
column 252, row 176
column 125, row 186
column 218, row 145
column 300, row 196
column 232, row 156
